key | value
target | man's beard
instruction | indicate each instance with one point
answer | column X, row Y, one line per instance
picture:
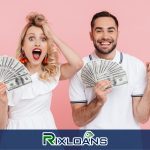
column 101, row 51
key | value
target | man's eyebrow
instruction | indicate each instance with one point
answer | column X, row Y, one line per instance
column 30, row 33
column 112, row 28
column 98, row 28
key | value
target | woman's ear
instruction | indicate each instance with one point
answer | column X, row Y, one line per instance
column 22, row 49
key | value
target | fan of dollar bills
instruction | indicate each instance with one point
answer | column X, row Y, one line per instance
column 97, row 70
column 13, row 73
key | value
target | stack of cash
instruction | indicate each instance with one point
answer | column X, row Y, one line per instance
column 13, row 73
column 97, row 70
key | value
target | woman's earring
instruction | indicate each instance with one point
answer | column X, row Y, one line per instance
column 45, row 60
column 23, row 59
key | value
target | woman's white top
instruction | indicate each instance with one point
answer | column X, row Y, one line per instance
column 29, row 105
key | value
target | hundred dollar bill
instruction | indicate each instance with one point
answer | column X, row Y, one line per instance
column 97, row 70
column 18, row 81
column 13, row 73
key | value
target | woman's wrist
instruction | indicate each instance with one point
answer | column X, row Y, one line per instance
column 3, row 100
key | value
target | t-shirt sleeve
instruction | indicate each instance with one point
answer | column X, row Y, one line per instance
column 76, row 90
column 140, row 80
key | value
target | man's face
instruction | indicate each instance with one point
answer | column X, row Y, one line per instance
column 104, row 35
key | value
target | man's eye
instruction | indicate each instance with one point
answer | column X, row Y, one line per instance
column 111, row 31
column 98, row 31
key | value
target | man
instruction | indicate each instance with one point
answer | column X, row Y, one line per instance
column 102, row 107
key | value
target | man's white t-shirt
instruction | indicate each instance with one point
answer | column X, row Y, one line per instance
column 117, row 112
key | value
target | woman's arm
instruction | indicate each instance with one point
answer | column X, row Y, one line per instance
column 3, row 106
column 74, row 62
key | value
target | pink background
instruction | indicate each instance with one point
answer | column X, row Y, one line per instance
column 70, row 19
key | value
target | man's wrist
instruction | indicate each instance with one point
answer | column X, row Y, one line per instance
column 99, row 101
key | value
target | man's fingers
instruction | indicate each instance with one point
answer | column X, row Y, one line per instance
column 103, row 85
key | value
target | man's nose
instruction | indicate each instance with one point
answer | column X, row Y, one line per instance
column 105, row 35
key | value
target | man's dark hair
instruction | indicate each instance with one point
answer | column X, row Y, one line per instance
column 103, row 14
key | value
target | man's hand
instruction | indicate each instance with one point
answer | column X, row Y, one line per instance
column 102, row 88
column 148, row 75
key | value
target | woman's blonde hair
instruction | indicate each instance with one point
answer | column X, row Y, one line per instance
column 38, row 20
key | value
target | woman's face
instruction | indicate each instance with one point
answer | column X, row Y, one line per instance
column 35, row 45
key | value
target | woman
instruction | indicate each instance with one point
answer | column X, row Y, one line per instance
column 28, row 107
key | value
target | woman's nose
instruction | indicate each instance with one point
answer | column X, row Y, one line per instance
column 37, row 43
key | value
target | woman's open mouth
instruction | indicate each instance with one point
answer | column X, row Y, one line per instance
column 36, row 53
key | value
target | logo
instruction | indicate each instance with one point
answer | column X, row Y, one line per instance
column 89, row 139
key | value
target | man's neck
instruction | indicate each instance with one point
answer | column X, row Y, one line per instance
column 109, row 56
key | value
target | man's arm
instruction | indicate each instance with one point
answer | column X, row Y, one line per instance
column 141, row 106
column 141, row 109
column 84, row 113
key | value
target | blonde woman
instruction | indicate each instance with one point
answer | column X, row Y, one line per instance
column 28, row 107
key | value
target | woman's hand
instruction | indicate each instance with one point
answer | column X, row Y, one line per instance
column 3, row 95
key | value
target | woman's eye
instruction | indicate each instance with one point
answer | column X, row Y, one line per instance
column 44, row 39
column 31, row 38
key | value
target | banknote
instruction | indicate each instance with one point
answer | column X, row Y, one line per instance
column 13, row 73
column 97, row 70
